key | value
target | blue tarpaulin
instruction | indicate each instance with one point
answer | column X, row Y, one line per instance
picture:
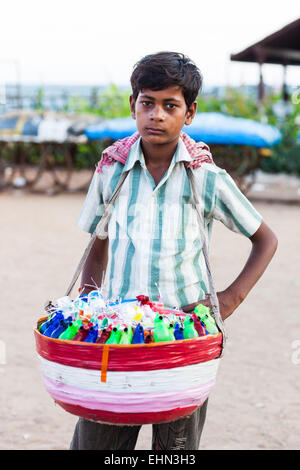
column 212, row 128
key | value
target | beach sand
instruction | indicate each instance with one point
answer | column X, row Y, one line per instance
column 255, row 403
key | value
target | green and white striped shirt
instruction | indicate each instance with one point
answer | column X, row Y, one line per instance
column 154, row 237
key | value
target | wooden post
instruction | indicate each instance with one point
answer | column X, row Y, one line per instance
column 261, row 84
column 260, row 57
column 285, row 95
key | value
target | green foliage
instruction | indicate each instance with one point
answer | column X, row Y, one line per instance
column 234, row 103
column 110, row 103
column 88, row 155
column 114, row 103
column 285, row 156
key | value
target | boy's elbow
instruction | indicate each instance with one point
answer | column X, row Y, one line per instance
column 265, row 237
column 272, row 240
column 275, row 242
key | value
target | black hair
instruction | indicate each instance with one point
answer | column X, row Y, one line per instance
column 164, row 69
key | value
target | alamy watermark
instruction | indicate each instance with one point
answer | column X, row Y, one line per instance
column 2, row 353
column 136, row 221
column 295, row 358
column 295, row 98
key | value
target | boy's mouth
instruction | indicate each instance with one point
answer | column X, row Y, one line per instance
column 155, row 130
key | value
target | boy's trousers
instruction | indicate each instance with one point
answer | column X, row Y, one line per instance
column 182, row 434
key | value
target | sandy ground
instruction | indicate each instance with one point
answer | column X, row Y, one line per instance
column 255, row 403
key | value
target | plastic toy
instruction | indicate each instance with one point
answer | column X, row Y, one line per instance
column 161, row 331
column 72, row 329
column 178, row 332
column 209, row 323
column 115, row 336
column 138, row 336
column 127, row 335
column 189, row 329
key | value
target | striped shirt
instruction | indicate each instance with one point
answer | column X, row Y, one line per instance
column 154, row 238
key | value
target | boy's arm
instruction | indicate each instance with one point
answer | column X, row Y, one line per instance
column 264, row 245
column 95, row 264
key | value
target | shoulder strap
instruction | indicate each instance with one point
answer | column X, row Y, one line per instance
column 100, row 231
column 213, row 295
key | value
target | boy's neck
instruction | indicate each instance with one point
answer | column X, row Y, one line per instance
column 158, row 155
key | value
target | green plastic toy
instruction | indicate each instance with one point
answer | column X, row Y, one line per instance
column 204, row 313
column 189, row 331
column 127, row 335
column 171, row 331
column 115, row 335
column 72, row 330
column 104, row 323
column 161, row 331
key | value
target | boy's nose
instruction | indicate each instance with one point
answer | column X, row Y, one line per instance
column 157, row 113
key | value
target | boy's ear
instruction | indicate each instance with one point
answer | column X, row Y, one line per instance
column 191, row 113
column 132, row 106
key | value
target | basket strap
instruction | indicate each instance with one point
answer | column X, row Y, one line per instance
column 213, row 295
column 100, row 232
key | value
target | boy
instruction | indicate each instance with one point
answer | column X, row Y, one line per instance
column 153, row 237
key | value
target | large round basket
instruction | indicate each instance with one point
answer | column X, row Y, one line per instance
column 129, row 385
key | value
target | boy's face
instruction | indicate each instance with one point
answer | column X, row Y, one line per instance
column 160, row 115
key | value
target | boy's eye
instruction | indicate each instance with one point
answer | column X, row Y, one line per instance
column 147, row 104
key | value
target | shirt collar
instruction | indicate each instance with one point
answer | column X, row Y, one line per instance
column 181, row 154
column 136, row 154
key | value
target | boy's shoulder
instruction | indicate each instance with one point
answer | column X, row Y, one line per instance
column 109, row 169
column 209, row 168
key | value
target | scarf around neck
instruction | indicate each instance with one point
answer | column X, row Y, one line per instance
column 119, row 151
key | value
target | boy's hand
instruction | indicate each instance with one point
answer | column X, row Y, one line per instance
column 226, row 303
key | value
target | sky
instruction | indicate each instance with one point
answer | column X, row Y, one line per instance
column 95, row 42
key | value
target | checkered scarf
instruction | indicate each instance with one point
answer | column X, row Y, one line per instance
column 119, row 151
